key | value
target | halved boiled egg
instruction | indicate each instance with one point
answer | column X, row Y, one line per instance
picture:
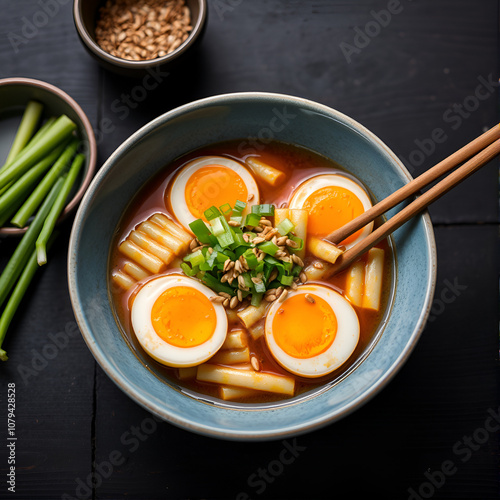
column 210, row 181
column 313, row 331
column 332, row 200
column 176, row 323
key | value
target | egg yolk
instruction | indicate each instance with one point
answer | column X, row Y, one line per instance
column 213, row 185
column 304, row 328
column 329, row 209
column 183, row 317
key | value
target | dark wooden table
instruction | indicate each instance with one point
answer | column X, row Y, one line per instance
column 433, row 431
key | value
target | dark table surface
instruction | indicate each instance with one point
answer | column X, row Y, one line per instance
column 433, row 431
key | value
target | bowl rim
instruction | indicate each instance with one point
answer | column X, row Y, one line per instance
column 94, row 47
column 207, row 430
column 90, row 139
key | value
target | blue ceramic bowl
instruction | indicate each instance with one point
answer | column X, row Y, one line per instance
column 262, row 117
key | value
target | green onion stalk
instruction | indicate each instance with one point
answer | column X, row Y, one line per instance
column 230, row 236
column 23, row 250
column 29, row 121
column 57, row 133
column 40, row 133
column 16, row 297
column 56, row 209
column 38, row 194
column 17, row 192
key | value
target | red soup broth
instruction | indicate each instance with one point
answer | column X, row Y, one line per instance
column 298, row 164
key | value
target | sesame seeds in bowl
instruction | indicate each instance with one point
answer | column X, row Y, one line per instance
column 142, row 31
column 132, row 37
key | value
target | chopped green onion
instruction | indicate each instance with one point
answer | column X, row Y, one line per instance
column 268, row 247
column 247, row 280
column 252, row 220
column 216, row 285
column 212, row 213
column 222, row 257
column 211, row 258
column 251, row 259
column 227, row 253
column 260, row 267
column 260, row 287
column 299, row 241
column 217, row 226
column 239, row 206
column 238, row 209
column 239, row 251
column 267, row 271
column 225, row 209
column 274, row 284
column 188, row 270
column 234, row 241
column 205, row 266
column 195, row 258
column 224, row 252
column 256, row 299
column 273, row 261
column 222, row 231
column 202, row 233
column 286, row 280
column 237, row 218
column 239, row 241
column 285, row 226
column 266, row 210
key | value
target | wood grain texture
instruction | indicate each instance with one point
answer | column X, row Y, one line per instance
column 72, row 420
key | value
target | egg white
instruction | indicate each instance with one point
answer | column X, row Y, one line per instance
column 308, row 187
column 178, row 200
column 154, row 345
column 337, row 354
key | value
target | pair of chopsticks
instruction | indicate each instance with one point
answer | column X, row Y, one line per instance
column 485, row 147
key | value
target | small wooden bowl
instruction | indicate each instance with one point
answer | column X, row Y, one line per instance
column 14, row 95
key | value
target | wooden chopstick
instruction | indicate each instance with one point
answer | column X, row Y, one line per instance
column 435, row 192
column 415, row 185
